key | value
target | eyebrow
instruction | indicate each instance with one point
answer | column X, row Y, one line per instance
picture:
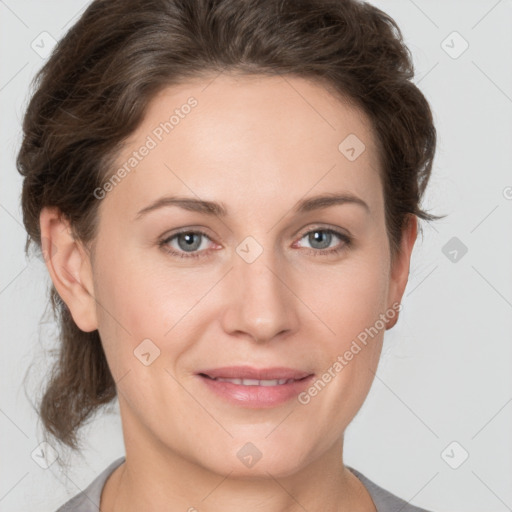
column 218, row 209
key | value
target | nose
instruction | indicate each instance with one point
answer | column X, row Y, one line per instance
column 261, row 303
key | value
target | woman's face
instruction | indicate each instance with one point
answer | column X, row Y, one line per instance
column 259, row 281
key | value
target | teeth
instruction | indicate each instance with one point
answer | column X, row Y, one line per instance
column 254, row 382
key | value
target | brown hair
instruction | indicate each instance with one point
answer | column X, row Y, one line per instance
column 93, row 90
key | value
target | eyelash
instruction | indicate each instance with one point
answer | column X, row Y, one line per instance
column 347, row 242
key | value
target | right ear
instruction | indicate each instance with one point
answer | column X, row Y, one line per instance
column 69, row 265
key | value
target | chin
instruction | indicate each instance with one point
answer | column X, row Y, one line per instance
column 243, row 459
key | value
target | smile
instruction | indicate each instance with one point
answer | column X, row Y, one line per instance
column 254, row 382
column 255, row 393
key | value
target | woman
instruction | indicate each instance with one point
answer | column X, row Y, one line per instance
column 226, row 194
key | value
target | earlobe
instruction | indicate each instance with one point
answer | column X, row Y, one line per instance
column 400, row 269
column 69, row 265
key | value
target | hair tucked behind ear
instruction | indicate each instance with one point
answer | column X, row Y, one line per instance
column 92, row 93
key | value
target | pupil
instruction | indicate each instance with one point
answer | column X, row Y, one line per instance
column 189, row 238
column 322, row 237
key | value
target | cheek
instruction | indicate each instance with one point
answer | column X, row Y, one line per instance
column 341, row 386
column 129, row 308
column 347, row 298
column 350, row 302
column 135, row 303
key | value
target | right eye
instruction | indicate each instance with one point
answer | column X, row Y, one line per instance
column 186, row 244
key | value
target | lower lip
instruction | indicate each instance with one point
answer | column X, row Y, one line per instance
column 256, row 396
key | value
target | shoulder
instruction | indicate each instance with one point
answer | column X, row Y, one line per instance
column 384, row 500
column 89, row 499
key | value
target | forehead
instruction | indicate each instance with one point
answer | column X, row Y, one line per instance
column 257, row 135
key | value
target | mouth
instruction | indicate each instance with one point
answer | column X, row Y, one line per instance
column 254, row 382
column 248, row 373
column 255, row 388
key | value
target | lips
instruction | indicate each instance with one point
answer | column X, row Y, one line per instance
column 248, row 373
column 255, row 388
column 254, row 382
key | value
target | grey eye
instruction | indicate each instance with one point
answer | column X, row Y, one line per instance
column 319, row 238
column 188, row 242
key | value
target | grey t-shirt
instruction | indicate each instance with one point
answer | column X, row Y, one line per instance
column 89, row 499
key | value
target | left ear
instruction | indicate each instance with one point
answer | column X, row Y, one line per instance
column 400, row 267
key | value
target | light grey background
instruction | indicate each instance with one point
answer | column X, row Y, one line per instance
column 445, row 373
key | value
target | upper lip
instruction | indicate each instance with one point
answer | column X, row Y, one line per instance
column 247, row 372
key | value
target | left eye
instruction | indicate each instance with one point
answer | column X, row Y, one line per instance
column 321, row 239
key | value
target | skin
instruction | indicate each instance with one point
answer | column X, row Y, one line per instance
column 258, row 145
